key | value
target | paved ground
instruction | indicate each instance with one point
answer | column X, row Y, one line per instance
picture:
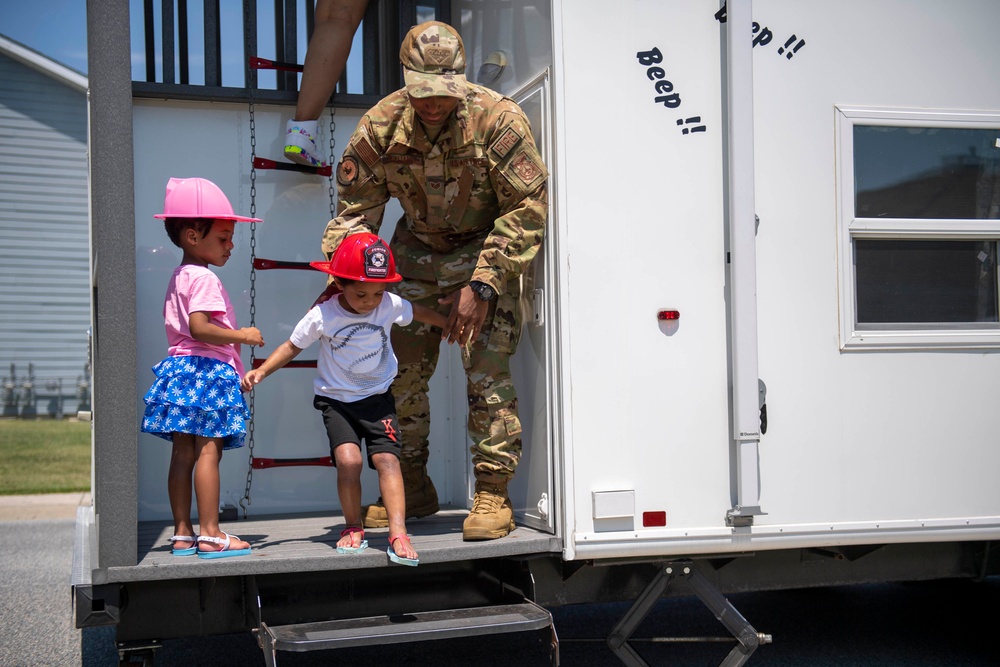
column 46, row 506
column 36, row 610
column 914, row 624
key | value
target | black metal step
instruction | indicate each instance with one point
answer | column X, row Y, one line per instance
column 420, row 626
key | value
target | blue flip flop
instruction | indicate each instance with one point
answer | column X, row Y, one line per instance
column 225, row 551
column 350, row 530
column 396, row 558
column 188, row 551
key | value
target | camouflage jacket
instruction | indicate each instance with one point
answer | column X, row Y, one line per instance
column 474, row 203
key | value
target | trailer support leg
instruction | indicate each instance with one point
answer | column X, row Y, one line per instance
column 618, row 639
column 747, row 639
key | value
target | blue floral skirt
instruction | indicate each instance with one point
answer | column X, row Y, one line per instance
column 196, row 395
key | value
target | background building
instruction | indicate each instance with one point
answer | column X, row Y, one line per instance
column 44, row 256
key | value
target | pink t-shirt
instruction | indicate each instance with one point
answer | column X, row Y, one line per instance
column 195, row 289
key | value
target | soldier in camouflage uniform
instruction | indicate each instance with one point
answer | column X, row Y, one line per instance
column 463, row 164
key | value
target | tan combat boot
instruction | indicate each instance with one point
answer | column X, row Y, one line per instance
column 421, row 499
column 492, row 515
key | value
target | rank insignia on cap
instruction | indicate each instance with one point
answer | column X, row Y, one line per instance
column 438, row 55
column 347, row 171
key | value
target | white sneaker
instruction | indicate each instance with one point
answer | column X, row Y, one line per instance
column 300, row 143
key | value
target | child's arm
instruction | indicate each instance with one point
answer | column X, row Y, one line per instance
column 202, row 329
column 281, row 356
column 425, row 315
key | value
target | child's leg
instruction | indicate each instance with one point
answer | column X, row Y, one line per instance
column 390, row 484
column 206, row 491
column 179, row 486
column 347, row 456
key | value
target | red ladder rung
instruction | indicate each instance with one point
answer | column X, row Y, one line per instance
column 261, row 464
column 264, row 63
column 264, row 163
column 268, row 264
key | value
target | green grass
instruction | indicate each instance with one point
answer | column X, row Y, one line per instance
column 44, row 456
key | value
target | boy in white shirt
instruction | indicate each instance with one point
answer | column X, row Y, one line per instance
column 356, row 367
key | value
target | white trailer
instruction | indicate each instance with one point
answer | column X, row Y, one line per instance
column 761, row 342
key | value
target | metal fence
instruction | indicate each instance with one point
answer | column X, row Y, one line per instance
column 27, row 396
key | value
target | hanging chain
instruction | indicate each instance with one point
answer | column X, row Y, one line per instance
column 251, row 85
column 333, row 158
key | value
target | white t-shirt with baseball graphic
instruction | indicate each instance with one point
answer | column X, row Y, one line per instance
column 355, row 357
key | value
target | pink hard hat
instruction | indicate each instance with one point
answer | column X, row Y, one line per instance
column 198, row 198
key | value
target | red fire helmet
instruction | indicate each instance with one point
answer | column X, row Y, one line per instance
column 363, row 257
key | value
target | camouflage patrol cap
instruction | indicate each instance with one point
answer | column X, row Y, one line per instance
column 433, row 58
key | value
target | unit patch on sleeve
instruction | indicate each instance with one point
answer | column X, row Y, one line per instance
column 506, row 142
column 525, row 168
column 347, row 171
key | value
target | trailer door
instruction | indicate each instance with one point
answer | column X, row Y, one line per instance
column 532, row 486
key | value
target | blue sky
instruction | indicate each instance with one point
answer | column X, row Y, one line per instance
column 56, row 28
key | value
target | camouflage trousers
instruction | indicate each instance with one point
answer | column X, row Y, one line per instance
column 494, row 427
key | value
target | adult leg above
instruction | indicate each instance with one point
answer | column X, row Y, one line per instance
column 330, row 45
column 326, row 57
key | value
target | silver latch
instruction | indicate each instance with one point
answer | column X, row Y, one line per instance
column 538, row 307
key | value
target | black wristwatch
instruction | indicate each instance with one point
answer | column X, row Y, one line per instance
column 482, row 290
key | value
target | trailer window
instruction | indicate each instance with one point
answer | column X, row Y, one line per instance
column 925, row 282
column 925, row 172
column 919, row 228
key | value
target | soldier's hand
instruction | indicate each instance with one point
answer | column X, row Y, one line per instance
column 465, row 321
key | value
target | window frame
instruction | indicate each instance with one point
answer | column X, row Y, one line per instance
column 852, row 228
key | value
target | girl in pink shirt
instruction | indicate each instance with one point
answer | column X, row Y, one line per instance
column 195, row 401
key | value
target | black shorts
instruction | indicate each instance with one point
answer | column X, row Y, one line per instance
column 372, row 419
